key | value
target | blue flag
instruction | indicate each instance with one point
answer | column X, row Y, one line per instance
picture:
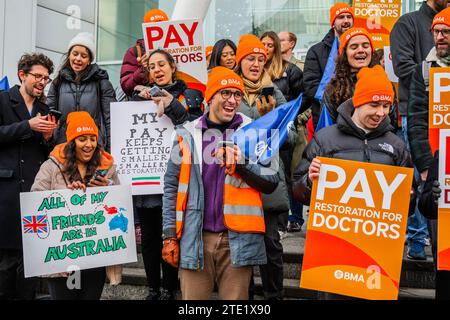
column 324, row 120
column 4, row 84
column 329, row 70
column 260, row 140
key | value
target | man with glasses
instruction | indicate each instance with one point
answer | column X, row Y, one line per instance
column 213, row 219
column 424, row 141
column 25, row 141
column 411, row 41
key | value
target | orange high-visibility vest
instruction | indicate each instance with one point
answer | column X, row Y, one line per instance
column 242, row 205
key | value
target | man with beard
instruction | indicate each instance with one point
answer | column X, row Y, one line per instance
column 411, row 41
column 25, row 142
column 341, row 19
column 425, row 142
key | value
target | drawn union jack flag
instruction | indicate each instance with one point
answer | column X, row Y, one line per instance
column 35, row 224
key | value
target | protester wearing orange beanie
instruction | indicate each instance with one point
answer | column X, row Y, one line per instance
column 155, row 15
column 221, row 78
column 338, row 9
column 248, row 44
column 80, row 123
column 442, row 17
column 350, row 33
column 373, row 85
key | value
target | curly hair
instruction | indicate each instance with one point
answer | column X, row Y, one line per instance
column 71, row 168
column 28, row 60
column 341, row 86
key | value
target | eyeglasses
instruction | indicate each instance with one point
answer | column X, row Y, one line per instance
column 226, row 94
column 40, row 77
column 445, row 32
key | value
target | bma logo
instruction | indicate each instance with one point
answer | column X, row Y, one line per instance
column 439, row 19
column 372, row 282
column 342, row 10
column 352, row 34
column 225, row 82
column 81, row 129
column 382, row 97
column 258, row 50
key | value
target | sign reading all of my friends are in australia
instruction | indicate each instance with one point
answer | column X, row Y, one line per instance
column 65, row 230
column 140, row 144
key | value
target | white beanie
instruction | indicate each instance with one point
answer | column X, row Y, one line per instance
column 84, row 39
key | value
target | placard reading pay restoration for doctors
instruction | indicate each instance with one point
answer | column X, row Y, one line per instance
column 356, row 229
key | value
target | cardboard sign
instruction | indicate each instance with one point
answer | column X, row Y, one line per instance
column 355, row 239
column 65, row 230
column 443, row 244
column 140, row 144
column 439, row 98
column 184, row 41
column 378, row 17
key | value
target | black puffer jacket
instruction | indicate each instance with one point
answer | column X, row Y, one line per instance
column 188, row 109
column 346, row 141
column 93, row 94
column 315, row 63
column 291, row 84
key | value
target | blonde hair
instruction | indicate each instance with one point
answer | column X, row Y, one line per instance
column 275, row 65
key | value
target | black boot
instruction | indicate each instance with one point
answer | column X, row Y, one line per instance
column 167, row 294
column 153, row 294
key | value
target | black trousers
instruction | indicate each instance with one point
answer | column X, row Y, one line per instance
column 91, row 286
column 151, row 237
column 13, row 284
column 272, row 272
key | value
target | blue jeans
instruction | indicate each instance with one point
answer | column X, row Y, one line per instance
column 296, row 211
column 417, row 229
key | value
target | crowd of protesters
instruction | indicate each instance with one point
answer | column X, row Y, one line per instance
column 218, row 219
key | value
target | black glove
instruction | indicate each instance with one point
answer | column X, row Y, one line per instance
column 436, row 191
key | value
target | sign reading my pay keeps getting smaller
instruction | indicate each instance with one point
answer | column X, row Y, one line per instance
column 65, row 230
column 355, row 239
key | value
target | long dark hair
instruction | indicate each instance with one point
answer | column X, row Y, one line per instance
column 169, row 59
column 217, row 51
column 341, row 86
column 66, row 65
column 71, row 168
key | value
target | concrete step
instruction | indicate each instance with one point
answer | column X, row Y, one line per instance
column 133, row 287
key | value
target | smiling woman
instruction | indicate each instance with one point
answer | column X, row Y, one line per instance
column 72, row 165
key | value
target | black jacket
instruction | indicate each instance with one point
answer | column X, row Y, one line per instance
column 426, row 201
column 418, row 120
column 22, row 151
column 291, row 84
column 176, row 111
column 315, row 63
column 346, row 141
column 94, row 94
column 411, row 40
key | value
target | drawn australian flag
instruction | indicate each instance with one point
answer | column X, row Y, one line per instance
column 35, row 224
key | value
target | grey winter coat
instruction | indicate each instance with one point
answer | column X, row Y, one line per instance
column 94, row 94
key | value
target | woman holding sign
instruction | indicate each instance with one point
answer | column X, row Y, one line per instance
column 356, row 51
column 78, row 164
column 180, row 104
column 362, row 133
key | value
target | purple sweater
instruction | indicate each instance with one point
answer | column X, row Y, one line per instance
column 213, row 175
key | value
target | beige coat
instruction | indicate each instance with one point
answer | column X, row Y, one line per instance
column 50, row 177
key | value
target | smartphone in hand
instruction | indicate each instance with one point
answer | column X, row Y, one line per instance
column 156, row 92
column 55, row 113
column 99, row 173
column 267, row 91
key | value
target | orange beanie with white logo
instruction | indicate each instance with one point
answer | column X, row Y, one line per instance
column 338, row 9
column 220, row 78
column 373, row 85
column 80, row 123
column 350, row 33
column 248, row 44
